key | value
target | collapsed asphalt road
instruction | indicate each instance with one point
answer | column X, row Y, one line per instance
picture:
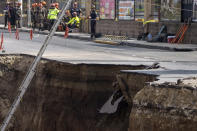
column 63, row 85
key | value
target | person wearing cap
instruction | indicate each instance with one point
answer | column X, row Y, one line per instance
column 75, row 9
column 18, row 14
column 92, row 17
column 74, row 22
column 57, row 5
column 66, row 18
column 6, row 16
column 12, row 16
column 52, row 15
column 44, row 8
column 41, row 16
column 34, row 15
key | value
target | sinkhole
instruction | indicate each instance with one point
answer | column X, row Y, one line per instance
column 66, row 97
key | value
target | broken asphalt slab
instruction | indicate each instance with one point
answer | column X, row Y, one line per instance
column 166, row 75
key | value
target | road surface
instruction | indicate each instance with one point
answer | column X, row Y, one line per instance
column 78, row 51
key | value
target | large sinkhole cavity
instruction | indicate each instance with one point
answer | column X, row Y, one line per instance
column 62, row 96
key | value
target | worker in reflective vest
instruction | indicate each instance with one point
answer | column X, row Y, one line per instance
column 52, row 15
column 74, row 22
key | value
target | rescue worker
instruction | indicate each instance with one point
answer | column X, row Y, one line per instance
column 45, row 14
column 74, row 22
column 52, row 15
column 18, row 14
column 33, row 15
column 6, row 17
column 67, row 17
column 75, row 9
column 92, row 17
column 41, row 16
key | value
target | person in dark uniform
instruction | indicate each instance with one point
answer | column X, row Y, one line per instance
column 6, row 16
column 12, row 16
column 33, row 15
column 41, row 16
column 45, row 24
column 92, row 17
column 75, row 9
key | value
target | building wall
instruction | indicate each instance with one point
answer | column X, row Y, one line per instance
column 133, row 29
column 128, row 28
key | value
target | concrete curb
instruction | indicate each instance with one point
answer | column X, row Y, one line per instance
column 157, row 47
column 56, row 34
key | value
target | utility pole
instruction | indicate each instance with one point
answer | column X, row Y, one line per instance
column 29, row 13
column 21, row 22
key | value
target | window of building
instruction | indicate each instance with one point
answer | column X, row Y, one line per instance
column 171, row 10
column 107, row 9
column 126, row 9
column 139, row 9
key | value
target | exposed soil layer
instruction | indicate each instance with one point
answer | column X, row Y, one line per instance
column 165, row 107
column 62, row 96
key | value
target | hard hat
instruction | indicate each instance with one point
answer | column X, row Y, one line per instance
column 56, row 4
column 44, row 3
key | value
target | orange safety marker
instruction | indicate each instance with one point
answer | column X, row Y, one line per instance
column 66, row 32
column 1, row 41
column 31, row 34
column 9, row 27
column 17, row 34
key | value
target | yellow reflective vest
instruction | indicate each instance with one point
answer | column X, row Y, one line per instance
column 74, row 20
column 53, row 13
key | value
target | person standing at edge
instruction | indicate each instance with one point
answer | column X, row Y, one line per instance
column 52, row 15
column 92, row 18
column 45, row 15
column 33, row 15
column 41, row 17
column 18, row 14
column 12, row 16
column 75, row 9
column 6, row 16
